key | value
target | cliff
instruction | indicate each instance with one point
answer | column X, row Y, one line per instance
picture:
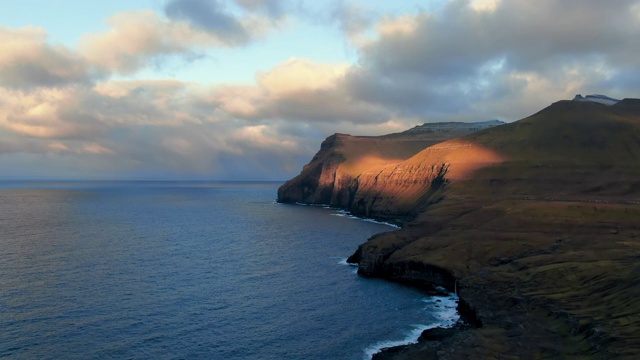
column 535, row 222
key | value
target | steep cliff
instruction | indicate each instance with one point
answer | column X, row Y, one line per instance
column 535, row 223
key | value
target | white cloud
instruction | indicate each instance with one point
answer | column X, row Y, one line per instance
column 485, row 5
column 399, row 26
column 300, row 76
column 298, row 90
column 136, row 38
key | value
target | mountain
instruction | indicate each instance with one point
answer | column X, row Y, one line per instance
column 536, row 225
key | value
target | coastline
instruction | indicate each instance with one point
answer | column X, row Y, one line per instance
column 501, row 311
column 447, row 317
column 528, row 287
column 444, row 297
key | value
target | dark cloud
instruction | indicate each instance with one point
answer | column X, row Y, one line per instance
column 208, row 15
column 28, row 61
column 456, row 42
column 352, row 20
column 275, row 9
column 325, row 107
column 463, row 58
column 26, row 75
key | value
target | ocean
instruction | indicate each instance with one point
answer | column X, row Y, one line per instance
column 191, row 270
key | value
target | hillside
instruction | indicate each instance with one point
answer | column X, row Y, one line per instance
column 537, row 225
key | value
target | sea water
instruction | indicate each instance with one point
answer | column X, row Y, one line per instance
column 191, row 270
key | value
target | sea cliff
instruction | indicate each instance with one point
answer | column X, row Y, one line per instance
column 535, row 223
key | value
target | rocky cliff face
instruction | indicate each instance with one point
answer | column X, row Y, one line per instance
column 316, row 182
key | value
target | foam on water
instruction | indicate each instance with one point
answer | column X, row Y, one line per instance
column 324, row 206
column 347, row 214
column 343, row 261
column 444, row 310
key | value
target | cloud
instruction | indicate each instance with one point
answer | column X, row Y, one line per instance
column 135, row 39
column 353, row 21
column 299, row 90
column 275, row 9
column 44, row 113
column 28, row 61
column 231, row 28
column 300, row 75
column 471, row 54
column 208, row 15
column 485, row 5
column 150, row 128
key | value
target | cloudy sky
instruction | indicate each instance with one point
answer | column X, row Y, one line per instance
column 247, row 89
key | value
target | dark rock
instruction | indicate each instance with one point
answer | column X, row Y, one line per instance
column 436, row 334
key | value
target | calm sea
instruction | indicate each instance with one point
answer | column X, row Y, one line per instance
column 191, row 270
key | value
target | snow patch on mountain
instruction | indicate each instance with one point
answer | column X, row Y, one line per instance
column 602, row 99
column 454, row 126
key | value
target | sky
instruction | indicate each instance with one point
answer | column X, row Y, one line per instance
column 248, row 89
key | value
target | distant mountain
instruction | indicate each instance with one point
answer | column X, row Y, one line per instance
column 602, row 99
